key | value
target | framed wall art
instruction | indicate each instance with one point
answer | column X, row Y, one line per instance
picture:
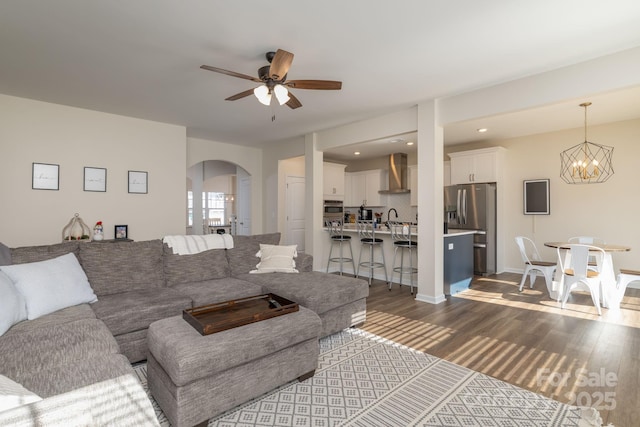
column 45, row 176
column 138, row 182
column 95, row 179
column 536, row 197
column 121, row 232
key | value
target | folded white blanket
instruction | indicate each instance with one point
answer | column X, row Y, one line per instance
column 193, row 244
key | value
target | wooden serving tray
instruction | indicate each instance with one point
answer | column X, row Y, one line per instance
column 212, row 318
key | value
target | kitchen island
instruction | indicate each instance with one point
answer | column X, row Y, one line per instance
column 458, row 261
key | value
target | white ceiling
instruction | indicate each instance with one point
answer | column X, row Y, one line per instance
column 141, row 59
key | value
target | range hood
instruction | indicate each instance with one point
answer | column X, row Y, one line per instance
column 397, row 174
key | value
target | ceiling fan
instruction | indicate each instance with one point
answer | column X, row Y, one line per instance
column 274, row 81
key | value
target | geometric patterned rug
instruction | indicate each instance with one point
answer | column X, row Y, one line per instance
column 365, row 380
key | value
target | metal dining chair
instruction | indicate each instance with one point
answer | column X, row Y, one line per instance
column 624, row 278
column 588, row 240
column 533, row 265
column 576, row 271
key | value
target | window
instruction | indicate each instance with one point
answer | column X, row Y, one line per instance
column 212, row 206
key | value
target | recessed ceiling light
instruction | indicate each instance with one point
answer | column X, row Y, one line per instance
column 410, row 143
column 482, row 130
column 356, row 153
column 393, row 141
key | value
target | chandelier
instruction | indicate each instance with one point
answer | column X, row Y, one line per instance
column 586, row 163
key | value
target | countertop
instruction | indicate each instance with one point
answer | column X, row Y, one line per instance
column 352, row 228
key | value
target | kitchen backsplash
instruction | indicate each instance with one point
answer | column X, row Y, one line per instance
column 401, row 202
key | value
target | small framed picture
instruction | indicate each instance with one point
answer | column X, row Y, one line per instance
column 536, row 197
column 121, row 232
column 138, row 182
column 95, row 179
column 45, row 176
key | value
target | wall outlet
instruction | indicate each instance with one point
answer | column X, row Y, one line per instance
column 450, row 246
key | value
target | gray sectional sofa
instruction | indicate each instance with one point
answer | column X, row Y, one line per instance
column 71, row 356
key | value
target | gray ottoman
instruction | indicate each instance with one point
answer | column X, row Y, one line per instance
column 195, row 377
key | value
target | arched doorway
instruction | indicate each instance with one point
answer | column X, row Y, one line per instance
column 218, row 198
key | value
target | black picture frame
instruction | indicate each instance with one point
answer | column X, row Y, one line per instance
column 536, row 197
column 138, row 182
column 120, row 232
column 45, row 176
column 95, row 179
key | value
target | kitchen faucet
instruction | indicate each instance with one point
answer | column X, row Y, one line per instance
column 389, row 214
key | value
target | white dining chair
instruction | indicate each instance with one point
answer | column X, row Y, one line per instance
column 624, row 278
column 588, row 240
column 575, row 271
column 533, row 265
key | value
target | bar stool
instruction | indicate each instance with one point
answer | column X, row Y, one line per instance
column 369, row 241
column 401, row 235
column 337, row 237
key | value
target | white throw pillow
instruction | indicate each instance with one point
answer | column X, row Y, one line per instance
column 51, row 285
column 12, row 306
column 275, row 258
column 13, row 394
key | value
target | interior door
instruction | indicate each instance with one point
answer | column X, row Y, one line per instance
column 295, row 221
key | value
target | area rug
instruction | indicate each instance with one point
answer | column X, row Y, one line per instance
column 365, row 380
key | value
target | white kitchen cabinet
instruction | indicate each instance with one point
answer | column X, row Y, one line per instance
column 413, row 185
column 333, row 181
column 483, row 165
column 363, row 188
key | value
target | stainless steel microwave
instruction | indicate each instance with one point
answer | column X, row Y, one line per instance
column 334, row 208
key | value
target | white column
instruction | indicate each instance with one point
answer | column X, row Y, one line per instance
column 313, row 202
column 197, row 183
column 430, row 204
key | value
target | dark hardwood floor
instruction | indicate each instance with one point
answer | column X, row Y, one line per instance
column 571, row 355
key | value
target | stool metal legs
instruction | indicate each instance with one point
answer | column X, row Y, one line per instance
column 371, row 264
column 341, row 259
column 411, row 270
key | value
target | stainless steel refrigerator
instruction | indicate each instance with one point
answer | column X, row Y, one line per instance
column 473, row 207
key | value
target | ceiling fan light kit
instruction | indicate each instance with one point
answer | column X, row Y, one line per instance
column 263, row 94
column 274, row 81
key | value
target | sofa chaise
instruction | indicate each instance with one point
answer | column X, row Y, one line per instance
column 71, row 354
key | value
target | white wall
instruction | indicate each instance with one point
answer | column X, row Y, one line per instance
column 273, row 183
column 34, row 131
column 607, row 210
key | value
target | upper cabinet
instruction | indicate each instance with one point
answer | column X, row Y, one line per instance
column 474, row 166
column 362, row 188
column 413, row 184
column 333, row 181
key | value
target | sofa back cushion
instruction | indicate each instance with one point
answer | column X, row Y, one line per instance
column 206, row 265
column 43, row 253
column 123, row 266
column 242, row 258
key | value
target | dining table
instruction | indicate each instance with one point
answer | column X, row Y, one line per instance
column 611, row 294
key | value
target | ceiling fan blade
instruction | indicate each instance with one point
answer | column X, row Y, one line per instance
column 280, row 64
column 293, row 102
column 314, row 84
column 240, row 95
column 230, row 73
